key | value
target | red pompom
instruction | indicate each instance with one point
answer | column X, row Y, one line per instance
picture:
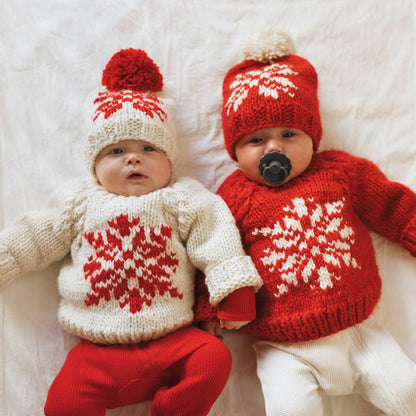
column 132, row 69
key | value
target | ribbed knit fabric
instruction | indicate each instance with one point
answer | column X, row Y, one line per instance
column 183, row 373
column 309, row 241
column 238, row 306
column 130, row 276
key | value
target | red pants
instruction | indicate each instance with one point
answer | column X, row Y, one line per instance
column 183, row 373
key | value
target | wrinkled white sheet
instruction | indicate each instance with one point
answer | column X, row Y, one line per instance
column 52, row 55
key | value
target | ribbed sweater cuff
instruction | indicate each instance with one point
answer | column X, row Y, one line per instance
column 239, row 305
column 231, row 275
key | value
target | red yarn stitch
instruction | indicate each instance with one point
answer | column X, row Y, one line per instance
column 310, row 247
column 123, row 271
column 257, row 95
column 132, row 69
column 110, row 102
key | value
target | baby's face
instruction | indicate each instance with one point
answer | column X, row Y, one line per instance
column 294, row 143
column 132, row 168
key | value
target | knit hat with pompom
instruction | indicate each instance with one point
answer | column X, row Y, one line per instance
column 272, row 87
column 130, row 107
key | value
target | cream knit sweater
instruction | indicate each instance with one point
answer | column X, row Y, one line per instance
column 130, row 273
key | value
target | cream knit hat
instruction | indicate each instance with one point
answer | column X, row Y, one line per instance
column 130, row 106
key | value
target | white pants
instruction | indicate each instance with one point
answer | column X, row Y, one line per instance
column 364, row 359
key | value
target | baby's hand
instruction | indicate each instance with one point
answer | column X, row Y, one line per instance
column 233, row 324
column 212, row 328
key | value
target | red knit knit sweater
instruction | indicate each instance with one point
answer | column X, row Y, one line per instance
column 309, row 241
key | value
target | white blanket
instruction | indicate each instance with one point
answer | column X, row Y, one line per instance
column 51, row 56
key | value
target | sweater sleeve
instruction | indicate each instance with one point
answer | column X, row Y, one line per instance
column 408, row 238
column 237, row 306
column 33, row 241
column 388, row 208
column 214, row 245
column 203, row 310
column 236, row 192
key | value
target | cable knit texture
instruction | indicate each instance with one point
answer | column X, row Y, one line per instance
column 130, row 276
column 309, row 241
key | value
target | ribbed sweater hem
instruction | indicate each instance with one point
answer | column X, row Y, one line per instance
column 309, row 325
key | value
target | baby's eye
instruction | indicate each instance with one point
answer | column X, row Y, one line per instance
column 116, row 151
column 288, row 134
column 148, row 148
column 256, row 140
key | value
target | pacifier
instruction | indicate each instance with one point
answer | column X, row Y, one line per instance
column 275, row 167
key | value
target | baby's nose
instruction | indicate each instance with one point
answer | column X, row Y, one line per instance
column 274, row 145
column 133, row 158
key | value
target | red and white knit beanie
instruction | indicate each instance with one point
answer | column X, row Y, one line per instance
column 130, row 106
column 272, row 87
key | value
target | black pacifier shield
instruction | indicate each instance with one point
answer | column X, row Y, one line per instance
column 275, row 167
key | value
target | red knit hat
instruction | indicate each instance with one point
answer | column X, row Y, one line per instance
column 272, row 87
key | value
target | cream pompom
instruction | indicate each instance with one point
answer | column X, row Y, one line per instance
column 268, row 46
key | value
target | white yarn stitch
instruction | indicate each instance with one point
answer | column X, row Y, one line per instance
column 202, row 234
column 269, row 45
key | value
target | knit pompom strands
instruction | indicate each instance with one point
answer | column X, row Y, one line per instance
column 268, row 46
column 132, row 69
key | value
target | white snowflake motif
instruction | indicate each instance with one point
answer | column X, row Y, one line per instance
column 268, row 81
column 311, row 243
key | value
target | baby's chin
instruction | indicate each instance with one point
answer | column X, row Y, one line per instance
column 132, row 191
column 261, row 181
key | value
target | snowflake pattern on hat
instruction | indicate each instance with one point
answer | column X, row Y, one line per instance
column 311, row 242
column 131, row 106
column 268, row 81
column 110, row 102
column 130, row 263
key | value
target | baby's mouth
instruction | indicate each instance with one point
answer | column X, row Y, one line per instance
column 275, row 167
column 135, row 175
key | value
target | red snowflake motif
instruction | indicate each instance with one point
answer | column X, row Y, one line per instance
column 110, row 102
column 130, row 264
column 268, row 82
column 310, row 245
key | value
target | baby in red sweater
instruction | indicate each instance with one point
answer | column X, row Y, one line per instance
column 303, row 217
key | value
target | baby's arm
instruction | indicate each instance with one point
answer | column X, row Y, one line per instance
column 387, row 207
column 33, row 241
column 237, row 309
column 213, row 328
column 233, row 324
column 233, row 312
column 214, row 247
